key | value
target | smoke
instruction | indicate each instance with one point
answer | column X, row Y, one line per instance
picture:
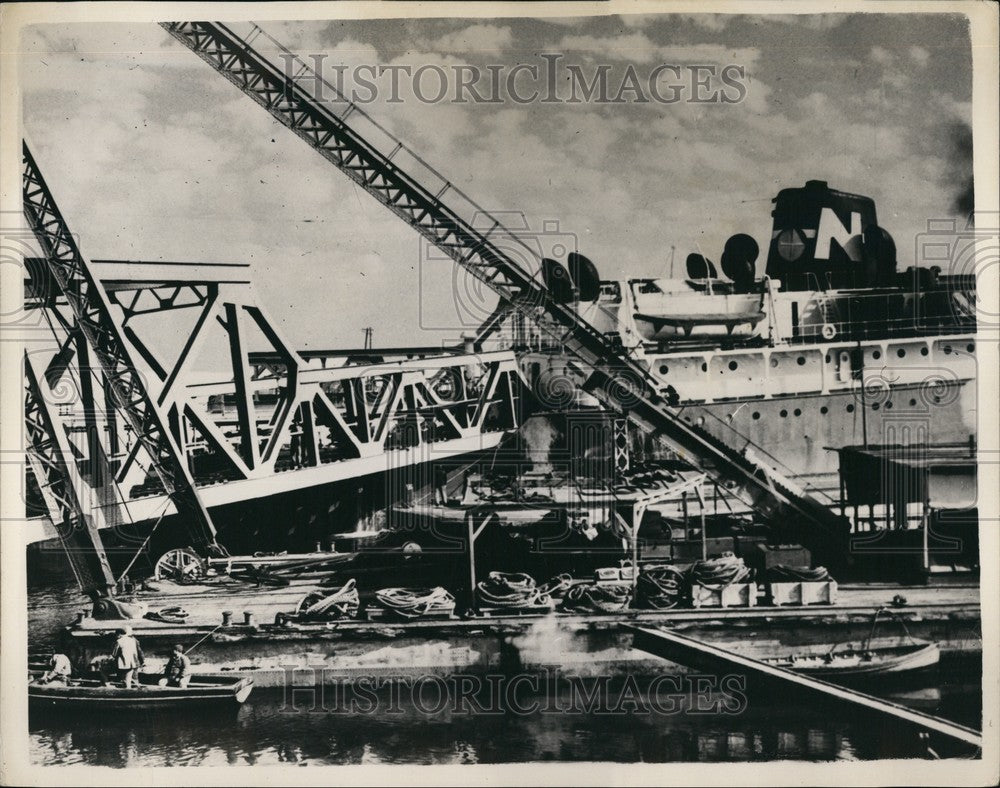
column 539, row 435
column 548, row 641
column 959, row 137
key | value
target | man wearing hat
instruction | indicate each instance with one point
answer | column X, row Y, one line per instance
column 127, row 655
column 178, row 671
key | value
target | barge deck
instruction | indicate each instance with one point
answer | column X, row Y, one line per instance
column 578, row 644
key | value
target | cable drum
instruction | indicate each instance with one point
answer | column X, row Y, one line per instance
column 660, row 587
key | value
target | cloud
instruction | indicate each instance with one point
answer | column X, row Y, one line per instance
column 715, row 23
column 475, row 38
column 920, row 56
column 632, row 46
column 818, row 22
column 638, row 48
column 881, row 55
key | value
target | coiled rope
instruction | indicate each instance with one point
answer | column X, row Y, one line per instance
column 598, row 597
column 659, row 587
column 557, row 586
column 416, row 602
column 515, row 591
column 717, row 573
column 791, row 574
column 168, row 615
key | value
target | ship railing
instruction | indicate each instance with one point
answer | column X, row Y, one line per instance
column 859, row 317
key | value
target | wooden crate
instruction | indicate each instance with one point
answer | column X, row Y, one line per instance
column 734, row 595
column 613, row 574
column 823, row 592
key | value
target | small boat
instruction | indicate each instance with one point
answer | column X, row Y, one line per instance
column 662, row 313
column 862, row 661
column 91, row 693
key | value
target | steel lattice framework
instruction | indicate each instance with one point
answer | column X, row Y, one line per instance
column 94, row 319
column 616, row 380
column 48, row 453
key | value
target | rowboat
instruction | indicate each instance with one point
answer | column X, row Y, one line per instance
column 90, row 693
column 864, row 661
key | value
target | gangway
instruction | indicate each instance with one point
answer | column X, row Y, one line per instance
column 698, row 654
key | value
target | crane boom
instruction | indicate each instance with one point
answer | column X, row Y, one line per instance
column 75, row 281
column 615, row 379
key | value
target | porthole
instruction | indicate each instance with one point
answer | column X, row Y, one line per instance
column 850, row 409
column 913, row 403
column 756, row 415
column 875, row 406
column 797, row 412
column 733, row 365
column 664, row 369
column 924, row 351
column 888, row 405
column 704, row 367
column 828, row 358
column 774, row 363
column 824, row 410
column 947, row 349
column 876, row 354
column 901, row 352
column 971, row 347
column 783, row 414
column 801, row 360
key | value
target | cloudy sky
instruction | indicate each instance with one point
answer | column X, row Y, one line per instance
column 153, row 156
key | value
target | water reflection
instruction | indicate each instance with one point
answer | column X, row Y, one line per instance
column 264, row 731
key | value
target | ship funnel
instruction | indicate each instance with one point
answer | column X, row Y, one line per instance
column 818, row 240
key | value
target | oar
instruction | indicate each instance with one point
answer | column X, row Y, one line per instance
column 188, row 651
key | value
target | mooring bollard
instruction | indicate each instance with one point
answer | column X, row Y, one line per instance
column 227, row 618
column 248, row 619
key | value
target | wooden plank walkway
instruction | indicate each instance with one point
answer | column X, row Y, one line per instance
column 704, row 656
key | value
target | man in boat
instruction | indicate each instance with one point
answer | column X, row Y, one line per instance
column 60, row 669
column 178, row 672
column 127, row 655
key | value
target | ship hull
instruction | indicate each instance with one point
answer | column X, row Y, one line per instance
column 803, row 432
